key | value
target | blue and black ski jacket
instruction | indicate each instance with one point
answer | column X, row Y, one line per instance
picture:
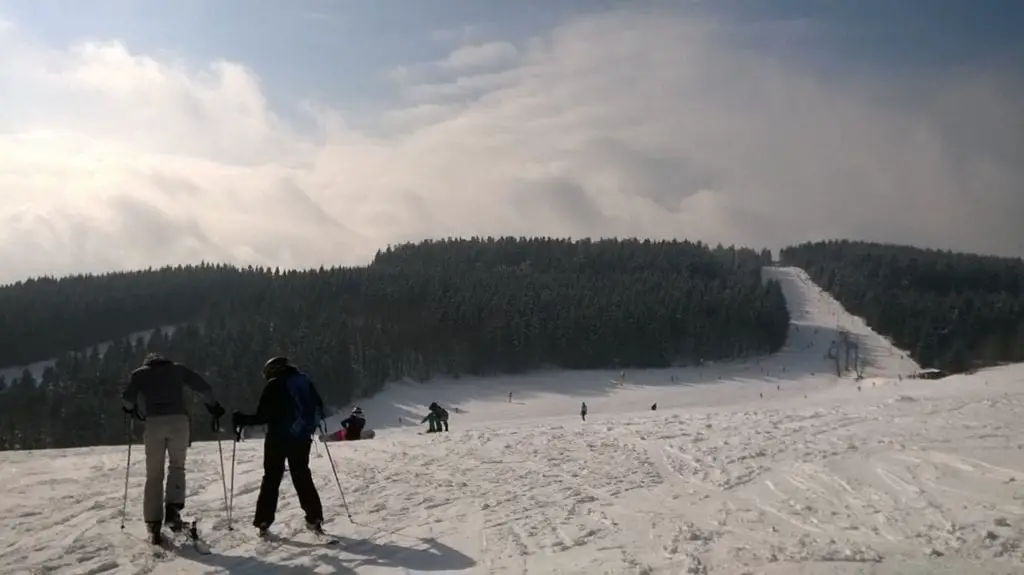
column 290, row 407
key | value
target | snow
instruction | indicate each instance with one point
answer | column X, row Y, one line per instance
column 821, row 318
column 815, row 317
column 767, row 467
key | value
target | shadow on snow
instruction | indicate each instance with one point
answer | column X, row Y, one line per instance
column 347, row 557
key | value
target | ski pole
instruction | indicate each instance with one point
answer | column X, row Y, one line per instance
column 128, row 428
column 336, row 479
column 223, row 480
column 231, row 501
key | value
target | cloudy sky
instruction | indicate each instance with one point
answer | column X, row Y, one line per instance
column 300, row 132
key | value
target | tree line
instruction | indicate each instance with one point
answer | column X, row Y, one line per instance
column 952, row 311
column 420, row 310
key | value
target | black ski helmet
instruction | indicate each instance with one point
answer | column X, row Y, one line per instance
column 275, row 366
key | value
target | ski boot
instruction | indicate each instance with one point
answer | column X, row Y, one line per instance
column 263, row 530
column 316, row 527
column 155, row 536
column 172, row 516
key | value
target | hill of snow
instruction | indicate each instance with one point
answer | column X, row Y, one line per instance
column 803, row 363
column 768, row 467
column 817, row 320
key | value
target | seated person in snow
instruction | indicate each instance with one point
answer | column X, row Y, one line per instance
column 352, row 426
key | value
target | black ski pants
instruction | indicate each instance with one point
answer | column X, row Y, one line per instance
column 276, row 451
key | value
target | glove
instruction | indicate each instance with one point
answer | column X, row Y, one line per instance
column 132, row 410
column 217, row 411
column 239, row 419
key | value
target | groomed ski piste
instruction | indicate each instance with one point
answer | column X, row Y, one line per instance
column 771, row 466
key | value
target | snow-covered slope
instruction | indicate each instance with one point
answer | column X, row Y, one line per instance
column 787, row 473
column 816, row 320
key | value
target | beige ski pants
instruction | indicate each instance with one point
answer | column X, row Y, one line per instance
column 166, row 442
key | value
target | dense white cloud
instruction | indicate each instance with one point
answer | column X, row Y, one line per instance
column 616, row 124
column 476, row 56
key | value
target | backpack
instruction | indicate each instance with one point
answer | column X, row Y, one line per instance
column 306, row 413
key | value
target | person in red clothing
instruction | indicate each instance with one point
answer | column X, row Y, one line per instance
column 352, row 426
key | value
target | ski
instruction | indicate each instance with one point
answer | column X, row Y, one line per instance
column 267, row 541
column 186, row 536
column 197, row 543
column 321, row 537
column 324, row 538
column 162, row 549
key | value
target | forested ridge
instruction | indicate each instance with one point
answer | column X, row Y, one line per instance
column 953, row 311
column 450, row 307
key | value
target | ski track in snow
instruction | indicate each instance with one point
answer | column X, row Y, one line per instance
column 752, row 474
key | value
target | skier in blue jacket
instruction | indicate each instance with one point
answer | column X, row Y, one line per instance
column 292, row 410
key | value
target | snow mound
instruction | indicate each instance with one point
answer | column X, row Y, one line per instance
column 903, row 398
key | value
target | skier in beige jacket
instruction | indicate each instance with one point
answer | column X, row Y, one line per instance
column 161, row 383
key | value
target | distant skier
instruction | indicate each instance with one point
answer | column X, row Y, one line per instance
column 161, row 383
column 292, row 409
column 437, row 418
column 510, row 397
column 440, row 416
column 654, row 406
column 431, row 420
column 583, row 411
